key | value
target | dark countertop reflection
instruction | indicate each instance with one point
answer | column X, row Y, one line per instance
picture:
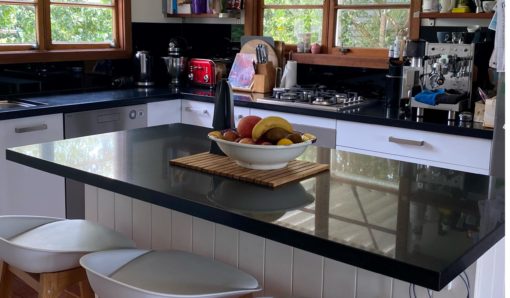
column 417, row 223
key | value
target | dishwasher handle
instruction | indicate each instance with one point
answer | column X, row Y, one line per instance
column 31, row 128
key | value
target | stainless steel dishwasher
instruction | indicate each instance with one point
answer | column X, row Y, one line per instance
column 92, row 122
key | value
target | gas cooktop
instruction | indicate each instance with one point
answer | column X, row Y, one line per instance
column 316, row 98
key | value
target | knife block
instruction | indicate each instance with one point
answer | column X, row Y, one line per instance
column 264, row 78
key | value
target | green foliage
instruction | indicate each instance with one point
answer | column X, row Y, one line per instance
column 17, row 24
column 68, row 24
column 364, row 28
column 375, row 28
column 286, row 24
column 80, row 24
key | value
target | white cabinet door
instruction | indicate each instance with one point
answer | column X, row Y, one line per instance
column 197, row 113
column 436, row 149
column 24, row 190
column 164, row 112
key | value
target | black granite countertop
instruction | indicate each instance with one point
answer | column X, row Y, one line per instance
column 416, row 223
column 375, row 113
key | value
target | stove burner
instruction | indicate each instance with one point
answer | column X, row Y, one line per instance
column 319, row 97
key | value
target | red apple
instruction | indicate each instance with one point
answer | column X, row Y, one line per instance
column 230, row 135
column 246, row 124
column 246, row 141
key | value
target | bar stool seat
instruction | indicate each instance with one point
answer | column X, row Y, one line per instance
column 137, row 273
column 45, row 251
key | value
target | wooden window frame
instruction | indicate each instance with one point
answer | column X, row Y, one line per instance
column 54, row 52
column 331, row 55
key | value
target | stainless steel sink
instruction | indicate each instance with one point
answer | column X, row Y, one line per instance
column 12, row 104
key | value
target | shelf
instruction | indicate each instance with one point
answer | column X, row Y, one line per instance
column 449, row 15
column 201, row 16
column 341, row 60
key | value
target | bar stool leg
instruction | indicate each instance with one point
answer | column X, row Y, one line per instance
column 86, row 290
column 5, row 280
column 54, row 283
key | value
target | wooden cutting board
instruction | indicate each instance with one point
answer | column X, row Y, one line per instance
column 226, row 167
column 250, row 46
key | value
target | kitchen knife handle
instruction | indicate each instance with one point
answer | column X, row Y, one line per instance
column 406, row 141
column 31, row 128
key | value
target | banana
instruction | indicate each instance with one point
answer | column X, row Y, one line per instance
column 267, row 123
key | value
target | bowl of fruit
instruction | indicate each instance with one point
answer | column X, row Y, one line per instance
column 262, row 143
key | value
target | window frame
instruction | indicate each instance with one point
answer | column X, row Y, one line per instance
column 54, row 52
column 332, row 55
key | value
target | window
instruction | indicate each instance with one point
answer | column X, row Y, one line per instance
column 33, row 29
column 370, row 23
column 365, row 27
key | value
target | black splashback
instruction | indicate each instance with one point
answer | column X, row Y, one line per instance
column 367, row 82
column 204, row 41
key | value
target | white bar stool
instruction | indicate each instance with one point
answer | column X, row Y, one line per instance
column 44, row 252
column 136, row 273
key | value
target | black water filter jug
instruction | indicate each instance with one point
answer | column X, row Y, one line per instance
column 393, row 83
column 223, row 111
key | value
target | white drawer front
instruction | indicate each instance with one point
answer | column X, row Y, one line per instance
column 297, row 119
column 240, row 112
column 442, row 150
column 197, row 113
column 32, row 130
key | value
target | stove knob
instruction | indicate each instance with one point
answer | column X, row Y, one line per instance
column 206, row 78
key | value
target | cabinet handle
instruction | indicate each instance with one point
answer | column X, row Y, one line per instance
column 406, row 141
column 190, row 109
column 239, row 116
column 31, row 128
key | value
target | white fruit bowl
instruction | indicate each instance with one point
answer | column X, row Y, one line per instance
column 261, row 157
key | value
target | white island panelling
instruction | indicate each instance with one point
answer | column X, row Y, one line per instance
column 283, row 271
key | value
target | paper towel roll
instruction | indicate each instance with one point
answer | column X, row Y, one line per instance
column 289, row 77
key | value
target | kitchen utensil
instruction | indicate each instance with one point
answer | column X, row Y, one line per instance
column 488, row 6
column 443, row 37
column 247, row 38
column 279, row 47
column 250, row 48
column 176, row 67
column 144, row 68
column 458, row 37
column 289, row 77
column 430, row 6
column 446, row 6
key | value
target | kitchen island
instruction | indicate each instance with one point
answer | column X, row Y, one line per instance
column 415, row 223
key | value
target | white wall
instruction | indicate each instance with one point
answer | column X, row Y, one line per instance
column 150, row 11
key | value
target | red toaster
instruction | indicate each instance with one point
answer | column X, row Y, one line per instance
column 202, row 72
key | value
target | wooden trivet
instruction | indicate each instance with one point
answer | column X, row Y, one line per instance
column 225, row 166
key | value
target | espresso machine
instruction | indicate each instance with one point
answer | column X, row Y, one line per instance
column 442, row 66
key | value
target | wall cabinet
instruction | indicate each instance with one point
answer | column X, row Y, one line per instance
column 164, row 112
column 24, row 190
column 429, row 148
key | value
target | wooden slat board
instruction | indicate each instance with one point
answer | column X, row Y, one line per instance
column 224, row 166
